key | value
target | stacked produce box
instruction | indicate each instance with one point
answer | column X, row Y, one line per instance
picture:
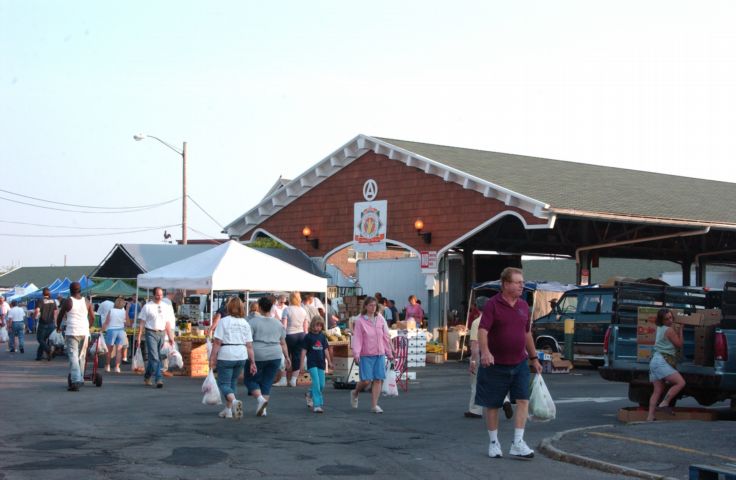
column 342, row 359
column 194, row 353
column 417, row 356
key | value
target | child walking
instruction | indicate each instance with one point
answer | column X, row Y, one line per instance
column 316, row 350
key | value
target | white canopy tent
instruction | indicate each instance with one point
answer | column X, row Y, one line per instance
column 232, row 266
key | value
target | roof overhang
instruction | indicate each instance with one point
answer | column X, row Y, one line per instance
column 354, row 149
column 613, row 217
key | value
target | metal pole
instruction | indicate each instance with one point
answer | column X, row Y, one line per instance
column 184, row 194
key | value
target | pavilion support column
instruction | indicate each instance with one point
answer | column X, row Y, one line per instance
column 582, row 269
column 686, row 266
column 701, row 271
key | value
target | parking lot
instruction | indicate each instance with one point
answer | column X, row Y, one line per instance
column 126, row 430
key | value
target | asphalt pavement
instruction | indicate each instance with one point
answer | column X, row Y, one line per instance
column 126, row 430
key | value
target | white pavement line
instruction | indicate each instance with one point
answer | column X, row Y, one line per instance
column 546, row 447
column 590, row 399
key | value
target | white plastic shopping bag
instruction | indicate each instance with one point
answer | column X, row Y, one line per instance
column 211, row 391
column 56, row 339
column 175, row 358
column 4, row 335
column 541, row 406
column 165, row 351
column 390, row 389
column 138, row 365
column 99, row 347
column 209, row 347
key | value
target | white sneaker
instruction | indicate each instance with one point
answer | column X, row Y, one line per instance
column 292, row 381
column 225, row 413
column 494, row 450
column 353, row 399
column 237, row 409
column 281, row 383
column 377, row 409
column 310, row 402
column 521, row 450
column 117, row 369
column 265, row 413
column 107, row 368
column 262, row 404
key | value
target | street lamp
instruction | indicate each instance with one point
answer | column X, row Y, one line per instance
column 142, row 136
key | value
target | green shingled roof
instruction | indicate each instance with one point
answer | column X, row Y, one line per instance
column 590, row 188
column 42, row 276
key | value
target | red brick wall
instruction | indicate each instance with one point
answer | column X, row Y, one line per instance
column 448, row 210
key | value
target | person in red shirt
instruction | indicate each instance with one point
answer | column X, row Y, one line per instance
column 506, row 346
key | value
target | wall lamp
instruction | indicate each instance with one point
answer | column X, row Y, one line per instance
column 419, row 226
column 314, row 242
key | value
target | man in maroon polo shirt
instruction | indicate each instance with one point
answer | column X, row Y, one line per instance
column 506, row 346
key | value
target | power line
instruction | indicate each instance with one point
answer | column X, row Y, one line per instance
column 210, row 237
column 88, row 206
column 21, row 235
column 84, row 211
column 72, row 227
column 205, row 212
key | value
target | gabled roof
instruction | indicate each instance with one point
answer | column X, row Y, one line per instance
column 543, row 187
column 42, row 276
column 570, row 187
column 127, row 260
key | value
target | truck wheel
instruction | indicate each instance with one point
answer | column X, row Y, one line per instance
column 640, row 393
column 546, row 344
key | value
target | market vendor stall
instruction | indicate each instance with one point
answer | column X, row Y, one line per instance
column 232, row 267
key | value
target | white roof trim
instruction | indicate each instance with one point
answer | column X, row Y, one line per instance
column 353, row 150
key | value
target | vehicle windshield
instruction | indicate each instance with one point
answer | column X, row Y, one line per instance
column 568, row 304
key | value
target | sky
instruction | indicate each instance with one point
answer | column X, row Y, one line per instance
column 260, row 90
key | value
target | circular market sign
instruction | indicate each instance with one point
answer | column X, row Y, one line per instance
column 370, row 190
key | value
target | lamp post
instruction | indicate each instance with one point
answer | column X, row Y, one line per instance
column 142, row 136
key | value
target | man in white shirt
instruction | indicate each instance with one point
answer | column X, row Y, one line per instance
column 79, row 316
column 157, row 319
column 16, row 326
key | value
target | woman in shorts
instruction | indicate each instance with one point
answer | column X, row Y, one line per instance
column 114, row 330
column 662, row 365
column 371, row 345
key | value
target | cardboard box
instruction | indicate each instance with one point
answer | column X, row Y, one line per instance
column 436, row 358
column 639, row 414
column 342, row 351
column 708, row 317
column 704, row 346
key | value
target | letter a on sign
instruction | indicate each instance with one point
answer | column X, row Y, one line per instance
column 370, row 190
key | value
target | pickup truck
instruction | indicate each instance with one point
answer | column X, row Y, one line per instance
column 592, row 309
column 709, row 381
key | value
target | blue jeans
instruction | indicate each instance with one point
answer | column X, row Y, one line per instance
column 17, row 330
column 318, row 383
column 76, row 351
column 228, row 372
column 42, row 335
column 263, row 379
column 154, row 343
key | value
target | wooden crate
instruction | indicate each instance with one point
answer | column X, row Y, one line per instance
column 194, row 356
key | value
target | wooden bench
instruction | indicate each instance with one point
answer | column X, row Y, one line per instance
column 713, row 472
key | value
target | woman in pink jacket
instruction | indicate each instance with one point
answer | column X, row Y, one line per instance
column 371, row 345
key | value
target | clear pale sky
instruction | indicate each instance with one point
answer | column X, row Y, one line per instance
column 267, row 89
